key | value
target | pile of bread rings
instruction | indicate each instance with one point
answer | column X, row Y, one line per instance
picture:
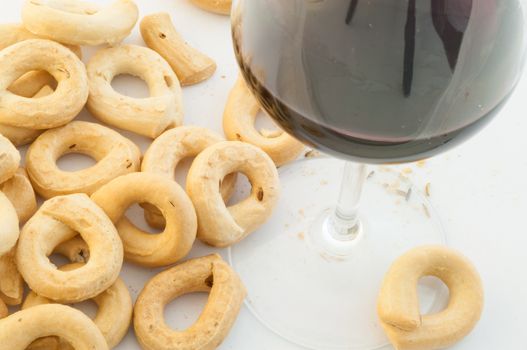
column 43, row 87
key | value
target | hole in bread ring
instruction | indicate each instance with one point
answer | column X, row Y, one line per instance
column 225, row 299
column 166, row 153
column 141, row 247
column 20, row 329
column 115, row 156
column 50, row 111
column 239, row 120
column 219, row 225
column 149, row 116
column 398, row 304
column 114, row 312
column 75, row 250
column 58, row 220
column 222, row 7
column 80, row 22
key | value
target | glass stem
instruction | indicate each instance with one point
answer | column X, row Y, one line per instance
column 344, row 222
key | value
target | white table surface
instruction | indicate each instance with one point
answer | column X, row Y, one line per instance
column 479, row 189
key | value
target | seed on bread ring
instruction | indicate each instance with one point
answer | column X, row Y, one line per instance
column 219, row 225
column 114, row 313
column 140, row 247
column 207, row 274
column 50, row 111
column 238, row 123
column 58, row 220
column 20, row 329
column 398, row 304
column 149, row 116
column 80, row 22
column 115, row 156
column 19, row 191
column 168, row 150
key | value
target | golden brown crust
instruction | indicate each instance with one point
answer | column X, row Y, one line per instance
column 115, row 156
column 191, row 66
column 141, row 247
column 207, row 274
column 19, row 191
column 219, row 225
column 58, row 220
column 398, row 305
column 238, row 124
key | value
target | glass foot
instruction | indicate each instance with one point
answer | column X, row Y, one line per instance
column 321, row 293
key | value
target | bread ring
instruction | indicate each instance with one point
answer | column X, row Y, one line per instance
column 190, row 65
column 47, row 112
column 58, row 220
column 207, row 274
column 114, row 313
column 219, row 225
column 145, row 116
column 222, row 7
column 238, row 123
column 398, row 305
column 9, row 230
column 76, row 250
column 115, row 156
column 11, row 283
column 20, row 193
column 140, row 247
column 80, row 22
column 9, row 160
column 21, row 328
column 165, row 153
column 22, row 136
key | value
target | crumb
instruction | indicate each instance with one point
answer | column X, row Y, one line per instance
column 407, row 170
column 427, row 189
column 223, row 77
column 301, row 236
column 324, row 182
column 401, row 193
column 301, row 212
column 370, row 175
column 312, row 154
column 421, row 163
column 425, row 209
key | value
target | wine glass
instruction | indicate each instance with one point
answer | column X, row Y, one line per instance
column 367, row 81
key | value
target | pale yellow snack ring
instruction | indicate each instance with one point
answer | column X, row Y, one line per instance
column 114, row 313
column 11, row 282
column 149, row 116
column 80, row 22
column 238, row 124
column 219, row 225
column 398, row 304
column 9, row 159
column 9, row 230
column 20, row 329
column 190, row 65
column 141, row 247
column 58, row 220
column 19, row 191
column 168, row 150
column 115, row 156
column 207, row 274
column 22, row 136
column 50, row 111
column 222, row 7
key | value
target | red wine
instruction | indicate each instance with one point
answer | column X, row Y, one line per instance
column 380, row 80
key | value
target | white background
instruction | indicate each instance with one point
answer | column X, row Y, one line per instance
column 479, row 189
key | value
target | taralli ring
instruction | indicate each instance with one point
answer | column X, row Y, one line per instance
column 114, row 313
column 19, row 191
column 145, row 116
column 50, row 111
column 115, row 156
column 141, row 247
column 11, row 283
column 238, row 123
column 20, row 329
column 190, row 65
column 9, row 230
column 58, row 220
column 398, row 304
column 222, row 7
column 219, row 225
column 80, row 22
column 9, row 159
column 165, row 153
column 207, row 274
